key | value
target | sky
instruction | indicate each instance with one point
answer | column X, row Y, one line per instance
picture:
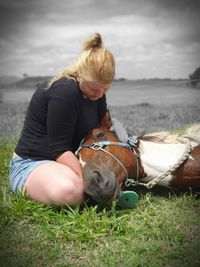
column 148, row 38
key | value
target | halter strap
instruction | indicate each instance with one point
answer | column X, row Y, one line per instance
column 131, row 144
column 100, row 145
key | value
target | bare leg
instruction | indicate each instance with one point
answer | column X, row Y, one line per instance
column 54, row 183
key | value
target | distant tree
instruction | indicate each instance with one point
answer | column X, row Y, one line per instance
column 195, row 77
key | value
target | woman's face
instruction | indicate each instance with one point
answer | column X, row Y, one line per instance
column 93, row 90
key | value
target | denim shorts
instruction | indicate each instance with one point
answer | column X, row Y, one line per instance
column 20, row 169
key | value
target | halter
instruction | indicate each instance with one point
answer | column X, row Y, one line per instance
column 132, row 144
column 99, row 146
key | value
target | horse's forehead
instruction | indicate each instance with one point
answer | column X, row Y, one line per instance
column 100, row 134
column 100, row 130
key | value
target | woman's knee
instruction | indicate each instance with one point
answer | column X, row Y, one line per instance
column 69, row 190
column 53, row 183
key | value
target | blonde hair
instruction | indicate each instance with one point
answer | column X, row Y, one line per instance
column 95, row 63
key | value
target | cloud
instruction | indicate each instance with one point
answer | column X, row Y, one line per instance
column 43, row 36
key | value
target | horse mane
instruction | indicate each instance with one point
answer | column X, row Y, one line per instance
column 194, row 130
column 161, row 137
column 151, row 138
column 172, row 138
column 166, row 137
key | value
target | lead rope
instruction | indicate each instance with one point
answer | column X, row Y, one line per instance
column 183, row 139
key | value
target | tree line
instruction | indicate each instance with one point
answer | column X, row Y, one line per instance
column 195, row 77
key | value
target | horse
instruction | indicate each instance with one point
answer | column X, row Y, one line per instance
column 110, row 166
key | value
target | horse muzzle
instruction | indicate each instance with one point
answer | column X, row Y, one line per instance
column 101, row 184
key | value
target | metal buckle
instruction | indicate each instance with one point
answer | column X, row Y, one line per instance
column 132, row 141
column 96, row 146
column 130, row 182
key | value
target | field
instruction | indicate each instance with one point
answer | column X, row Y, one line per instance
column 164, row 230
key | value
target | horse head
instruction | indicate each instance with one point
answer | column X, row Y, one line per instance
column 105, row 165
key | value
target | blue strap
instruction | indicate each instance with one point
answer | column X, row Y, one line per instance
column 132, row 141
column 108, row 143
column 102, row 144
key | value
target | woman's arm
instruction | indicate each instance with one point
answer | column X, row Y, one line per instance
column 62, row 115
column 70, row 160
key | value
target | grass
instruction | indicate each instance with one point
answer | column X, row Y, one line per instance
column 164, row 230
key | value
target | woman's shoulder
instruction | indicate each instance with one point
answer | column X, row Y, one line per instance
column 64, row 82
column 64, row 87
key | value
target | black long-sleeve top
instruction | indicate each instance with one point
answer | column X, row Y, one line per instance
column 57, row 119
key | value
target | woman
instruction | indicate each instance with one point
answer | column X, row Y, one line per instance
column 44, row 166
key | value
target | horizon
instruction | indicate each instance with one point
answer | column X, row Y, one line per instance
column 23, row 77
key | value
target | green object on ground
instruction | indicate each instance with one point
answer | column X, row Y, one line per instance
column 127, row 200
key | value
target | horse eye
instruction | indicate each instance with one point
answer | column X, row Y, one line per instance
column 100, row 135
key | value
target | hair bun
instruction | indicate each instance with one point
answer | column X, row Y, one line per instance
column 93, row 42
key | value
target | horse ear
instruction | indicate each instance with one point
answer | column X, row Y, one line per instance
column 106, row 121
